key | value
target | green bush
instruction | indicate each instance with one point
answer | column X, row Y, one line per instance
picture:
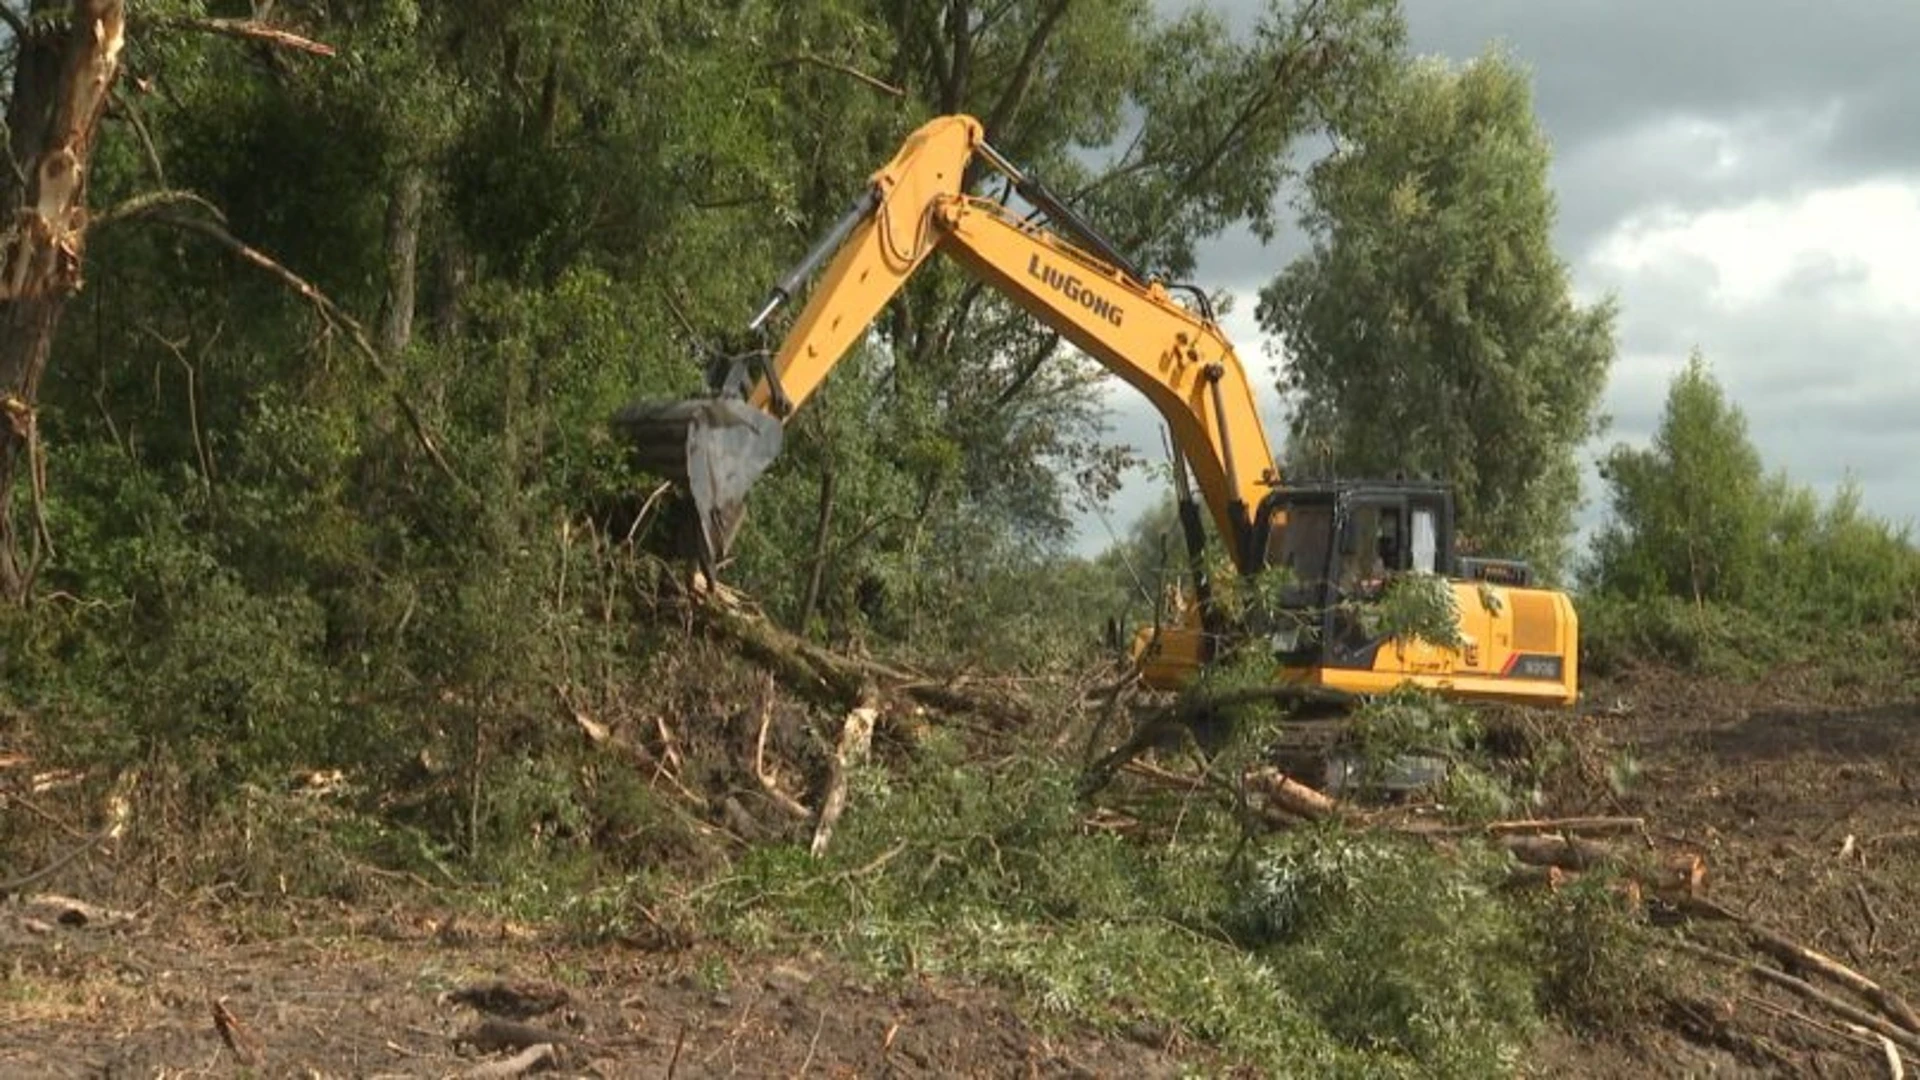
column 1591, row 965
column 1618, row 633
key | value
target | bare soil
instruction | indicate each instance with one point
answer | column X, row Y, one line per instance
column 1805, row 802
column 375, row 998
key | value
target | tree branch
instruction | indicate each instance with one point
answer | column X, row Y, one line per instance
column 845, row 69
column 139, row 124
column 253, row 30
column 1034, row 362
column 334, row 316
column 959, row 31
column 13, row 20
column 1016, row 92
column 149, row 201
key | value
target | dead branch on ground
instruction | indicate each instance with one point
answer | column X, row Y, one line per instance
column 494, row 1035
column 537, row 1056
column 769, row 780
column 1879, row 1025
column 60, row 862
column 246, row 1049
column 1796, row 955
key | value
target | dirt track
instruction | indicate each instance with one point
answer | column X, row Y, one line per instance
column 1769, row 782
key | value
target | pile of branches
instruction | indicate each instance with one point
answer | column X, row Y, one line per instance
column 1658, row 879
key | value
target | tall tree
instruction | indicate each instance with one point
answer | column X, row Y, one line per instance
column 63, row 72
column 1690, row 513
column 1431, row 328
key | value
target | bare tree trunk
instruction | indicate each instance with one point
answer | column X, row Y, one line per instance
column 61, row 80
column 403, row 246
column 822, row 537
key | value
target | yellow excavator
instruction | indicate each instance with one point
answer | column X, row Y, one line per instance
column 1336, row 541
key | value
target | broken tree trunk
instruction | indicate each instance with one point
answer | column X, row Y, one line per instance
column 845, row 681
column 856, row 738
column 63, row 73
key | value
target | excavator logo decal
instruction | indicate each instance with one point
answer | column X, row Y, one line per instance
column 1070, row 287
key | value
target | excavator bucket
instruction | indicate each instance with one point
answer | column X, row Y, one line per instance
column 712, row 449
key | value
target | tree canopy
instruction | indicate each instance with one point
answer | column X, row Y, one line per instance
column 1432, row 328
column 1695, row 516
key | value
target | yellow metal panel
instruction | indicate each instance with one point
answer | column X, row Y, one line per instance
column 877, row 257
column 1137, row 332
column 1536, row 623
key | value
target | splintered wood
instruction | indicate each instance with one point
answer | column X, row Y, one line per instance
column 856, row 740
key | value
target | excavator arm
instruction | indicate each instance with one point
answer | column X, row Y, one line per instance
column 1516, row 643
column 914, row 207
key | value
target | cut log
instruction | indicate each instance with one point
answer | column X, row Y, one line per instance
column 1565, row 852
column 1553, row 879
column 1672, row 875
column 1879, row 1025
column 1283, row 792
column 1799, row 956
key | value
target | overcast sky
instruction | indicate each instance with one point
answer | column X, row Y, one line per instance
column 1744, row 175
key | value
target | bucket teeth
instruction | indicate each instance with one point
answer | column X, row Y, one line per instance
column 713, row 449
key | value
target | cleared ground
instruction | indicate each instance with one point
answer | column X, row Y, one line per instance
column 1805, row 802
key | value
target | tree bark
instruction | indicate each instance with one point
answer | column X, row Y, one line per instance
column 403, row 245
column 822, row 537
column 62, row 79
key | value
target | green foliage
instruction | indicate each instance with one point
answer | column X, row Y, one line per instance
column 1708, row 562
column 1690, row 513
column 1325, row 953
column 1410, row 720
column 1432, row 328
column 1397, row 948
column 1416, row 607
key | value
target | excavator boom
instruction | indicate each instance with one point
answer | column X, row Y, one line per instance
column 1519, row 643
column 913, row 207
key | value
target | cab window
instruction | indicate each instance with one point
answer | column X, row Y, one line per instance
column 1426, row 542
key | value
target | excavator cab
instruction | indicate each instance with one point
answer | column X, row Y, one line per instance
column 1340, row 546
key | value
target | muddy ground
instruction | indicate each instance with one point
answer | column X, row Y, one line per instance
column 1805, row 803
